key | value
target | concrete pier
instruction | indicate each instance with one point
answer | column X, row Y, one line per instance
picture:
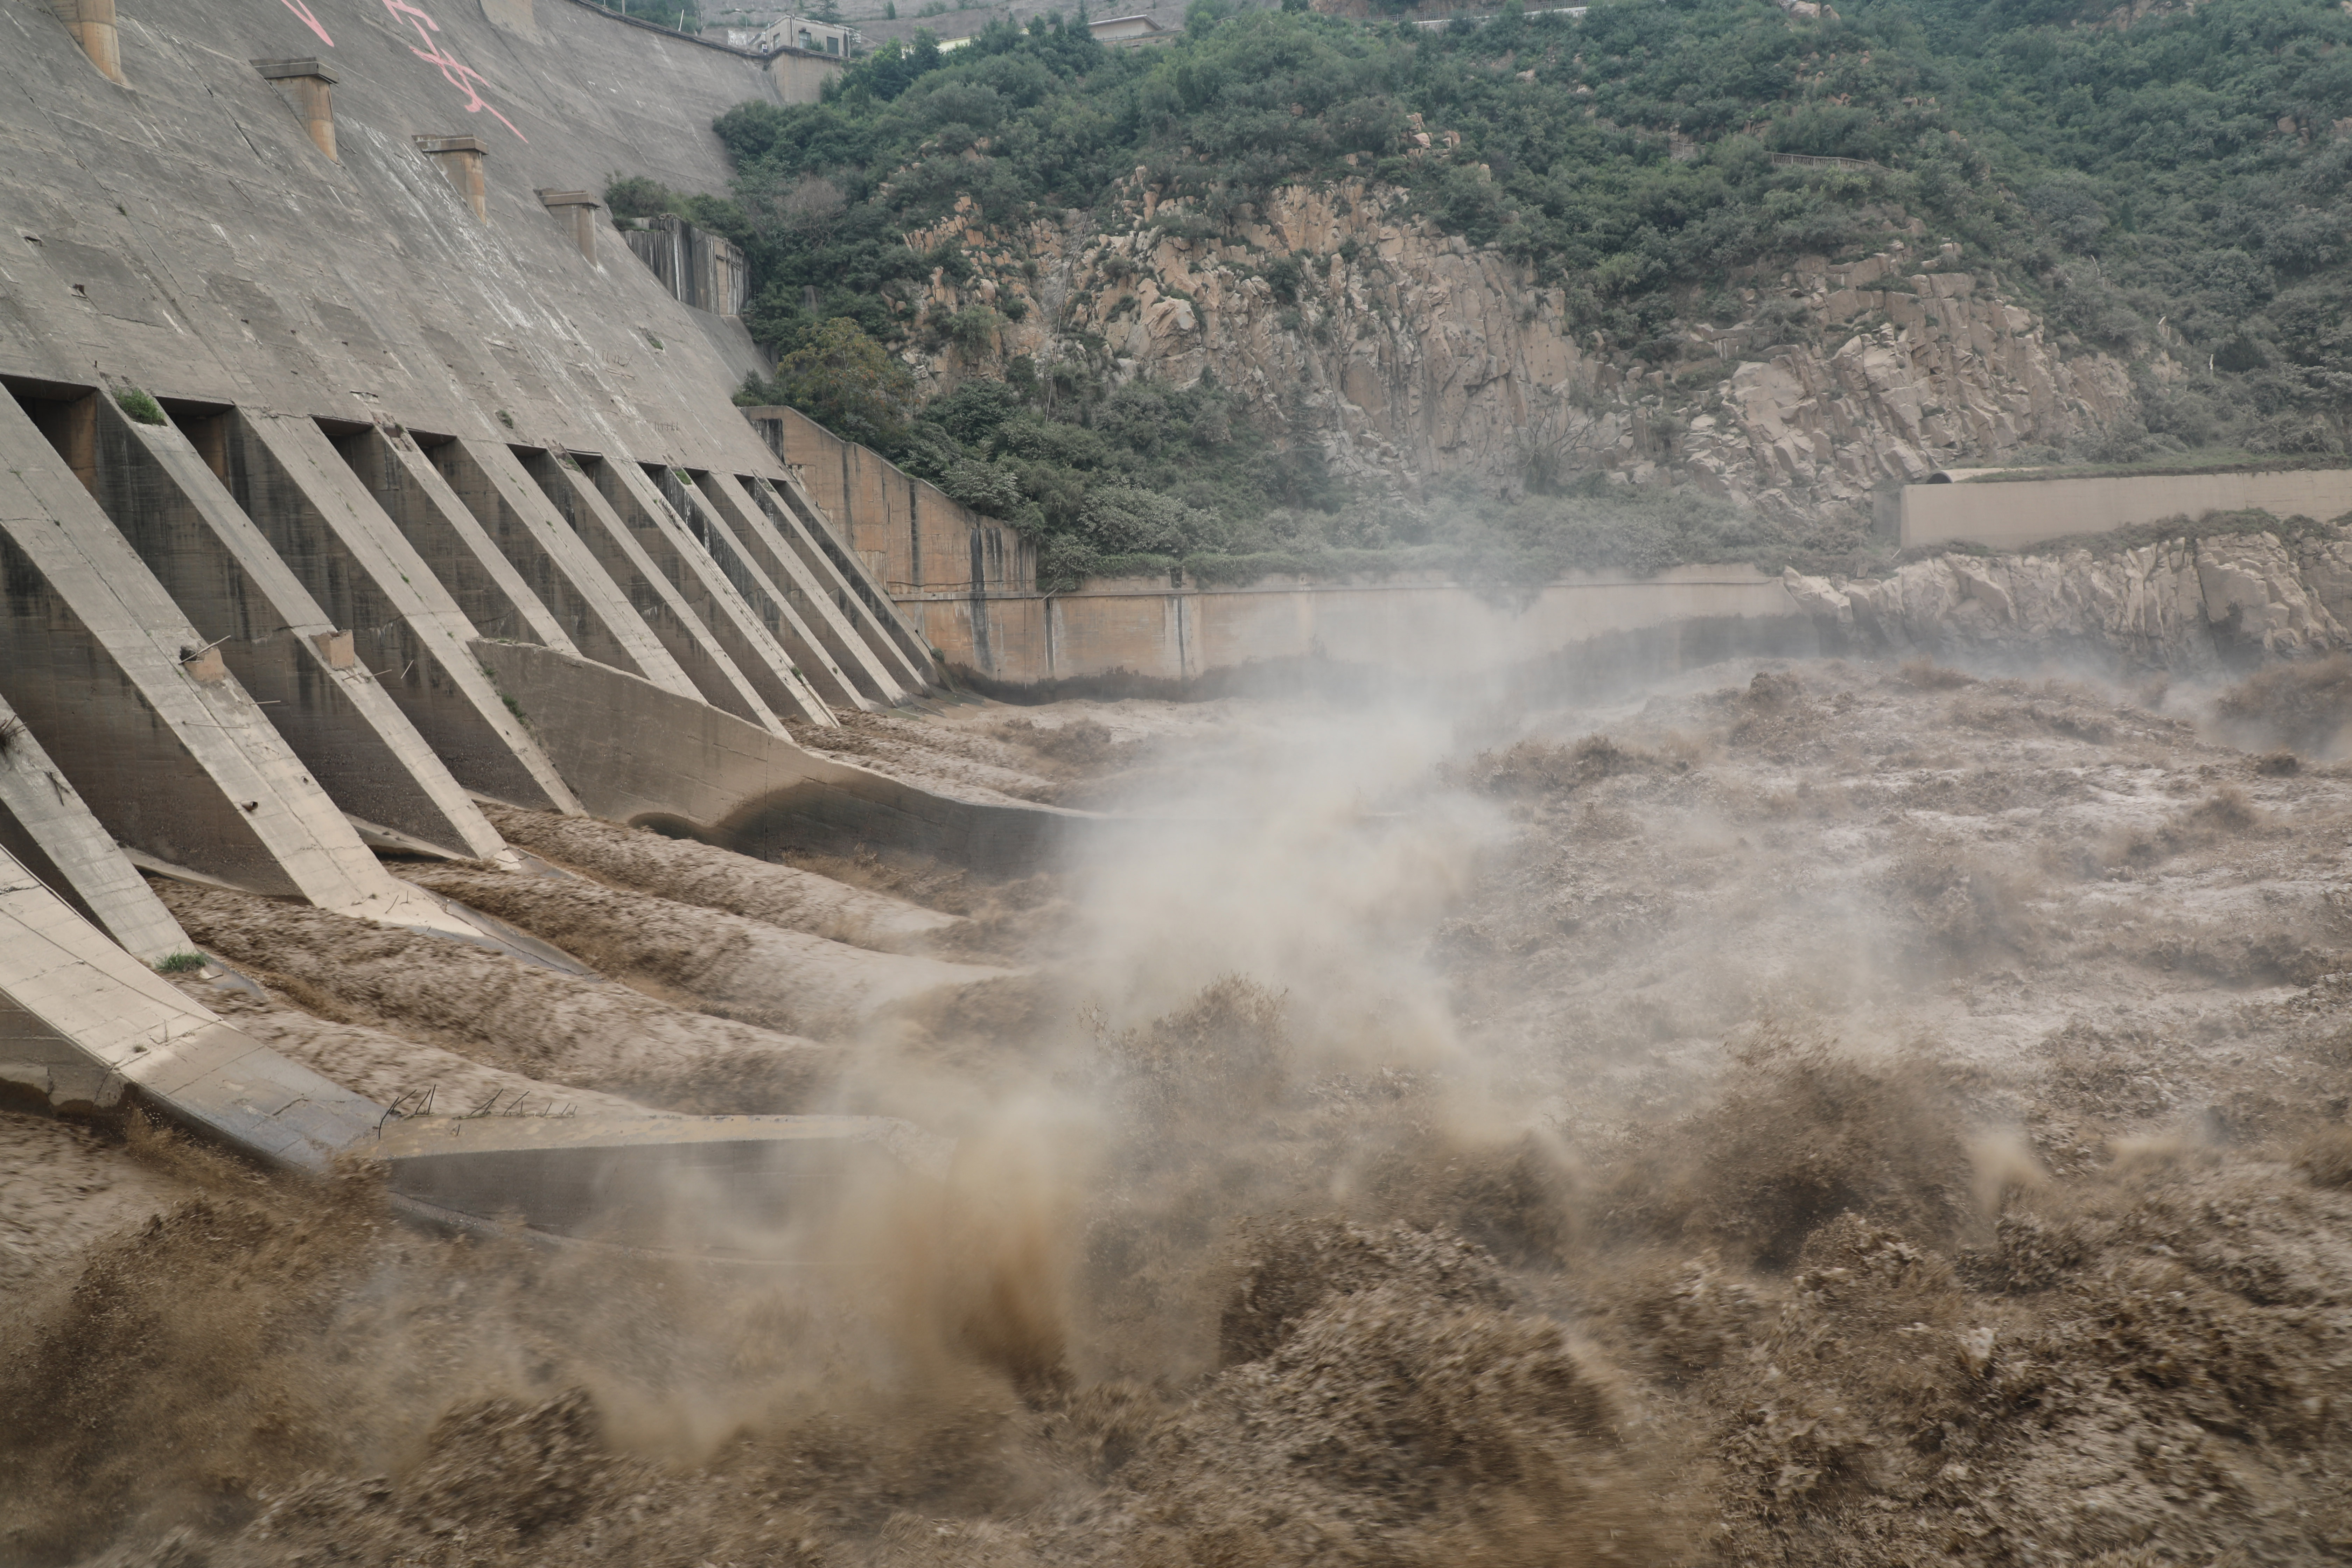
column 87, row 1021
column 404, row 626
column 595, row 612
column 54, row 836
column 85, row 1027
column 743, row 629
column 775, row 599
column 818, row 602
column 275, row 638
column 861, row 599
column 455, row 547
column 168, row 750
column 652, row 585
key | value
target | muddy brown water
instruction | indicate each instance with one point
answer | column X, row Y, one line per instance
column 1857, row 1115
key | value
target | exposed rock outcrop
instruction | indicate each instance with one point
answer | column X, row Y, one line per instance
column 1413, row 356
column 2187, row 604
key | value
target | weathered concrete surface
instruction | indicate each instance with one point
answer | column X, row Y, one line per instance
column 819, row 603
column 638, row 754
column 81, row 1020
column 909, row 532
column 2188, row 604
column 220, row 257
column 703, row 1184
column 1408, row 630
column 404, row 626
column 596, row 611
column 698, row 576
column 653, row 586
column 645, row 506
column 773, row 599
column 2010, row 514
column 169, row 751
column 44, row 825
column 282, row 647
column 83, row 1024
column 891, row 636
column 450, row 539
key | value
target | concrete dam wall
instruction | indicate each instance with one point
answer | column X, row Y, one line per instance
column 969, row 584
column 355, row 475
column 2013, row 514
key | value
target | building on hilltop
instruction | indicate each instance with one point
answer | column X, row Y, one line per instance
column 806, row 34
column 768, row 29
column 1128, row 32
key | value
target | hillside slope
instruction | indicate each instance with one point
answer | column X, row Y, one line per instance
column 1404, row 284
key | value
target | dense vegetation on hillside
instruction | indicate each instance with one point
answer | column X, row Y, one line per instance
column 2174, row 184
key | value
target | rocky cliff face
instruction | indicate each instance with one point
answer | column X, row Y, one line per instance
column 1411, row 357
column 2186, row 605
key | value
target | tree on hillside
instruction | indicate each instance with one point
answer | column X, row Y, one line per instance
column 849, row 384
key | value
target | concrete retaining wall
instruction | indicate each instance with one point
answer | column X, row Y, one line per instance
column 1412, row 630
column 2011, row 514
column 968, row 586
column 640, row 754
column 910, row 535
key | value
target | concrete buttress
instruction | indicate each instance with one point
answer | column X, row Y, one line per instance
column 883, row 612
column 773, row 599
column 633, row 500
column 822, row 602
column 84, row 1026
column 653, row 586
column 277, row 640
column 81, row 1020
column 365, row 575
column 462, row 556
column 46, row 826
column 557, row 564
column 884, row 631
column 167, row 749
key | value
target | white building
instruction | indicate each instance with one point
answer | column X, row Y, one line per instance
column 806, row 35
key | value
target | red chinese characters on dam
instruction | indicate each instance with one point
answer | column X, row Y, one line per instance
column 455, row 72
column 310, row 21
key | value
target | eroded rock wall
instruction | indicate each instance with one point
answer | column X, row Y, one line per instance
column 2188, row 604
column 1413, row 357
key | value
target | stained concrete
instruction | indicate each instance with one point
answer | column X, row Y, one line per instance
column 774, row 600
column 164, row 746
column 596, row 613
column 455, row 547
column 623, row 490
column 653, row 586
column 819, row 603
column 912, row 536
column 44, row 825
column 638, row 754
column 193, row 241
column 282, row 647
column 81, row 1021
column 85, row 1026
column 404, row 626
column 891, row 636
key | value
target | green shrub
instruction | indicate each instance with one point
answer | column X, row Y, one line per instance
column 141, row 407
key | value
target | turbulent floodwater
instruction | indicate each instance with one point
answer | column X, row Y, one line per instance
column 1810, row 1114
